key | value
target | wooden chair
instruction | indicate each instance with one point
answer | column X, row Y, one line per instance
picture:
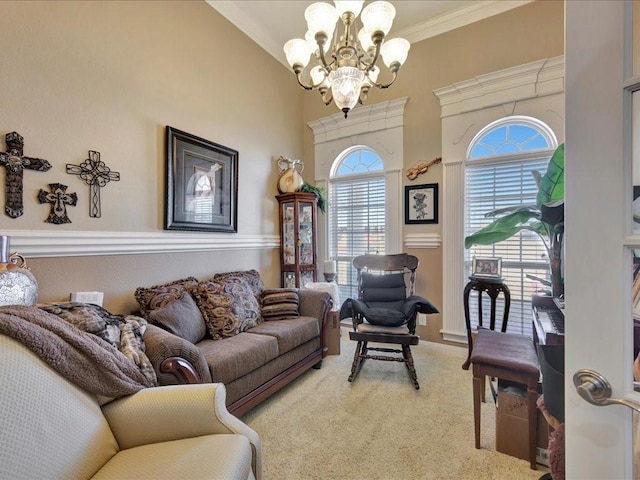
column 506, row 356
column 384, row 312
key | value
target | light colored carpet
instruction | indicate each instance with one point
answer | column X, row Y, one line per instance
column 380, row 427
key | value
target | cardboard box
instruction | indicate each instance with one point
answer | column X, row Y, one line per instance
column 512, row 431
column 332, row 334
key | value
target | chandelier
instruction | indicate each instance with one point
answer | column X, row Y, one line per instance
column 351, row 69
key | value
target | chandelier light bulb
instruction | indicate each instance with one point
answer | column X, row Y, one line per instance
column 395, row 50
column 297, row 52
column 365, row 39
column 378, row 17
column 353, row 6
column 345, row 87
column 321, row 17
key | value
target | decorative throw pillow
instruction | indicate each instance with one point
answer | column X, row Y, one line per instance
column 251, row 276
column 150, row 298
column 280, row 304
column 216, row 308
column 181, row 317
column 244, row 304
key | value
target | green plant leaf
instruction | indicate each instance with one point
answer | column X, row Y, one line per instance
column 504, row 227
column 551, row 184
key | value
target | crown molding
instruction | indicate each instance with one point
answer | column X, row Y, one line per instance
column 37, row 243
column 457, row 18
column 470, row 13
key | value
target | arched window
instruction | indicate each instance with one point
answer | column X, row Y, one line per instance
column 498, row 174
column 356, row 212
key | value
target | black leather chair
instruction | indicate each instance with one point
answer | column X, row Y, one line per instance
column 385, row 310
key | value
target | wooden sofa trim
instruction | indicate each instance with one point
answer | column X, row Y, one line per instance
column 182, row 369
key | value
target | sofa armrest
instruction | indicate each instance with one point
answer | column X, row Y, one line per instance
column 174, row 412
column 314, row 303
column 174, row 359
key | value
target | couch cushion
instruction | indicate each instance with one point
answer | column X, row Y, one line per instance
column 290, row 333
column 280, row 304
column 233, row 357
column 181, row 317
column 208, row 456
column 244, row 302
column 150, row 298
column 217, row 309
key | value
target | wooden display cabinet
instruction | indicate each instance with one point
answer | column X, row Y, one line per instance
column 298, row 258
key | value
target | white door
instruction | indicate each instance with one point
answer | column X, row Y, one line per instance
column 598, row 234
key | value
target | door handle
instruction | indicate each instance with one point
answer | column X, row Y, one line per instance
column 596, row 390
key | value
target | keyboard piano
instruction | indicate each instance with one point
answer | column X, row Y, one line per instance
column 548, row 321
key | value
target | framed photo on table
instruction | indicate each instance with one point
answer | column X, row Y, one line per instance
column 486, row 267
column 201, row 184
column 421, row 203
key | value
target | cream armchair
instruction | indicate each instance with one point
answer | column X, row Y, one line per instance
column 51, row 429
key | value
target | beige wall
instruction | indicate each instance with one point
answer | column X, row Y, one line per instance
column 531, row 32
column 109, row 76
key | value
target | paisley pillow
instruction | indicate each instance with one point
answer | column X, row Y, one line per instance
column 244, row 304
column 216, row 308
column 151, row 298
column 252, row 277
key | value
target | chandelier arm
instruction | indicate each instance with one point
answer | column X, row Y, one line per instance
column 385, row 85
column 325, row 100
column 375, row 56
column 306, row 87
column 321, row 42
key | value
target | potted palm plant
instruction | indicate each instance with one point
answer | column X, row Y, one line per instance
column 545, row 218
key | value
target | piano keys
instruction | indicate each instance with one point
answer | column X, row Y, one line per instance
column 548, row 321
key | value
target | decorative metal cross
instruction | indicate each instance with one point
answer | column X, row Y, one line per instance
column 96, row 174
column 59, row 199
column 15, row 162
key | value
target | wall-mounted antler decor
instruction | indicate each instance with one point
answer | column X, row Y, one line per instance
column 422, row 167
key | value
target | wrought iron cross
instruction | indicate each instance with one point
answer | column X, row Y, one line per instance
column 59, row 199
column 96, row 174
column 15, row 162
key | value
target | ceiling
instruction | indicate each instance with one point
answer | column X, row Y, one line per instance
column 415, row 20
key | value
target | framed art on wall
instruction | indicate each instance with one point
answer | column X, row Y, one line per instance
column 201, row 184
column 421, row 203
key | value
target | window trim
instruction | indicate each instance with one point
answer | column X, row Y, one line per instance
column 534, row 89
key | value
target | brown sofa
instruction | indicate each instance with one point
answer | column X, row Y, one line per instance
column 251, row 339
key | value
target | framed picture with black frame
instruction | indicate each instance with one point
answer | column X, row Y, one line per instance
column 201, row 184
column 421, row 203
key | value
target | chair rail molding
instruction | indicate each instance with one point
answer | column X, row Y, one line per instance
column 37, row 243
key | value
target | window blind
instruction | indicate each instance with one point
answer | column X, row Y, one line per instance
column 356, row 224
column 490, row 185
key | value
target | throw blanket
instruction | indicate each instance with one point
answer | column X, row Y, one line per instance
column 84, row 359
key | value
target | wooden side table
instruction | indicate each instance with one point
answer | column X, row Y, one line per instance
column 492, row 287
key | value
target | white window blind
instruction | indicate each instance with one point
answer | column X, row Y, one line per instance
column 503, row 180
column 356, row 216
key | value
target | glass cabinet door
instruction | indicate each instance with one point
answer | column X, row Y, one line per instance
column 305, row 233
column 298, row 239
